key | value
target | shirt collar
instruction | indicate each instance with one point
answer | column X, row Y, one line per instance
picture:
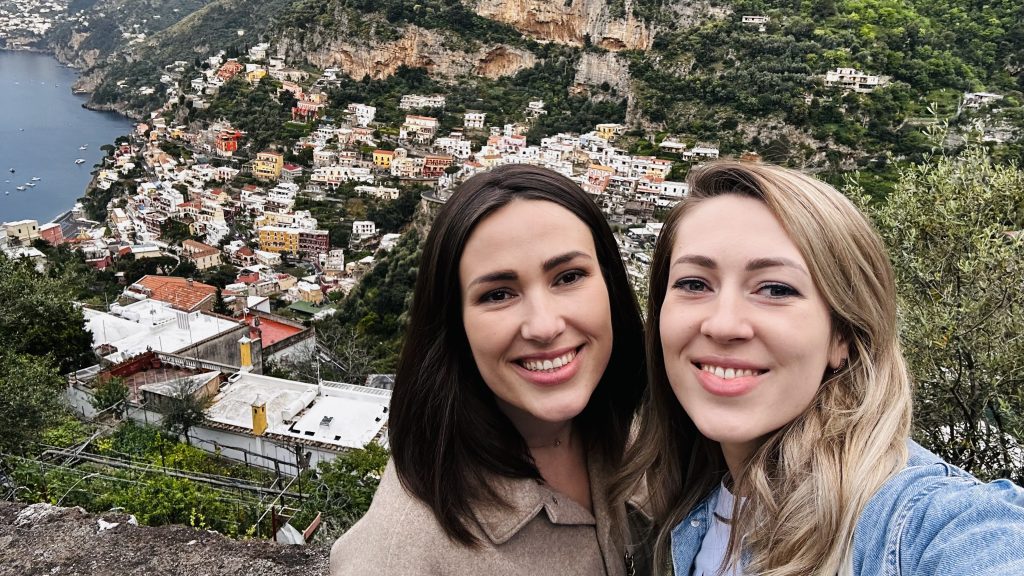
column 527, row 497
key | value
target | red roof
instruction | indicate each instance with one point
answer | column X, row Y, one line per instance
column 272, row 331
column 178, row 292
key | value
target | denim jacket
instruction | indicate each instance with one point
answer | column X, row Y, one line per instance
column 931, row 518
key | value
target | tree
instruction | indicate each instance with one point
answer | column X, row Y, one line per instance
column 39, row 318
column 111, row 396
column 30, row 389
column 185, row 408
column 951, row 227
column 346, row 489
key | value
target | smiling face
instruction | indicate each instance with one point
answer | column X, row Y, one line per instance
column 746, row 335
column 536, row 312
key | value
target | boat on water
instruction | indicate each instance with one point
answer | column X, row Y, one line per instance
column 36, row 178
column 80, row 161
column 20, row 188
column 83, row 147
column 30, row 184
column 12, row 170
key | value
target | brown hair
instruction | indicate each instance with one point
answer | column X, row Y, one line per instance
column 446, row 432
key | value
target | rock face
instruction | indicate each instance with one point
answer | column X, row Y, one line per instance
column 573, row 22
column 595, row 69
column 44, row 539
column 74, row 55
column 417, row 48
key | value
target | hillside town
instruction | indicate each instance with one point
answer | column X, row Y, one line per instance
column 168, row 335
column 256, row 241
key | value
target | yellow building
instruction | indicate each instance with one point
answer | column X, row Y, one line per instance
column 609, row 131
column 255, row 76
column 268, row 165
column 279, row 239
column 382, row 158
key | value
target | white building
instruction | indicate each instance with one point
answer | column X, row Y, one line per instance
column 413, row 101
column 474, row 119
column 853, row 79
column 363, row 228
column 150, row 325
column 362, row 113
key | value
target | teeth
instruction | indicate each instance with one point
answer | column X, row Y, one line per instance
column 553, row 364
column 727, row 373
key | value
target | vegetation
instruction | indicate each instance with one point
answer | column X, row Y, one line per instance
column 184, row 409
column 110, row 397
column 343, row 489
column 375, row 310
column 952, row 228
column 39, row 318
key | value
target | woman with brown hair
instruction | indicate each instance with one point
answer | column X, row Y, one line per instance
column 519, row 378
column 776, row 438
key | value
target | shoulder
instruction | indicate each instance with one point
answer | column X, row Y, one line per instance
column 934, row 518
column 398, row 536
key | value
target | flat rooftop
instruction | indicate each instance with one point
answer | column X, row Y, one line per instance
column 342, row 415
column 150, row 324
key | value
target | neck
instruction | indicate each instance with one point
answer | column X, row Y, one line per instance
column 737, row 455
column 556, row 435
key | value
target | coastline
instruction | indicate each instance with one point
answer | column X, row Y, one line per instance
column 65, row 212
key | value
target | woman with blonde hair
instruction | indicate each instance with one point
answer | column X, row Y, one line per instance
column 775, row 438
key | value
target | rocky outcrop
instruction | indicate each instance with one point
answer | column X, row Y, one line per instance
column 416, row 48
column 597, row 69
column 576, row 22
column 44, row 539
column 73, row 54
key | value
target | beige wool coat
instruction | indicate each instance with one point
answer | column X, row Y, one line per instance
column 543, row 533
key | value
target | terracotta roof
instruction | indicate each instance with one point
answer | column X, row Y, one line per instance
column 198, row 249
column 178, row 292
column 272, row 331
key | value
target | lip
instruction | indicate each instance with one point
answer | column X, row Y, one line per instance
column 555, row 377
column 547, row 354
column 727, row 388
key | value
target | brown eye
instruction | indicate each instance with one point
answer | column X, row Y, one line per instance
column 690, row 285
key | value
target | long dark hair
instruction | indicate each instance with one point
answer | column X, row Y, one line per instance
column 447, row 434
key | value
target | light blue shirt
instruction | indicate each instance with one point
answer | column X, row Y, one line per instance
column 931, row 518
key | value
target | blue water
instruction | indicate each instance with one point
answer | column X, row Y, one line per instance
column 42, row 125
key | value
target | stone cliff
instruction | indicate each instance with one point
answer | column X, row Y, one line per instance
column 575, row 22
column 417, row 48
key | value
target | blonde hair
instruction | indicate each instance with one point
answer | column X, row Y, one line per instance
column 803, row 490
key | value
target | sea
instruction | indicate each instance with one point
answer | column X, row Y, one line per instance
column 43, row 130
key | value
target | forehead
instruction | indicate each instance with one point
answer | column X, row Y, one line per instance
column 525, row 233
column 731, row 225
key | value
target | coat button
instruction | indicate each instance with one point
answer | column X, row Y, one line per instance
column 695, row 523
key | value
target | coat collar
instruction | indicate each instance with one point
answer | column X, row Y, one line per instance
column 526, row 498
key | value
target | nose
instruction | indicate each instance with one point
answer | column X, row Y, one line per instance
column 543, row 321
column 726, row 319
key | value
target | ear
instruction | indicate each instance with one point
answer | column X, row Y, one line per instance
column 838, row 351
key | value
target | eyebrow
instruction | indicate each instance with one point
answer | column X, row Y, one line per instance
column 548, row 265
column 557, row 261
column 753, row 265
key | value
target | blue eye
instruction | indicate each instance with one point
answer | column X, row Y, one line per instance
column 775, row 290
column 690, row 285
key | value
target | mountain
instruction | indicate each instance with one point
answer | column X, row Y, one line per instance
column 695, row 69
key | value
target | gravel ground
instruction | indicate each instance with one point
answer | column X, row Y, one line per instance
column 44, row 539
